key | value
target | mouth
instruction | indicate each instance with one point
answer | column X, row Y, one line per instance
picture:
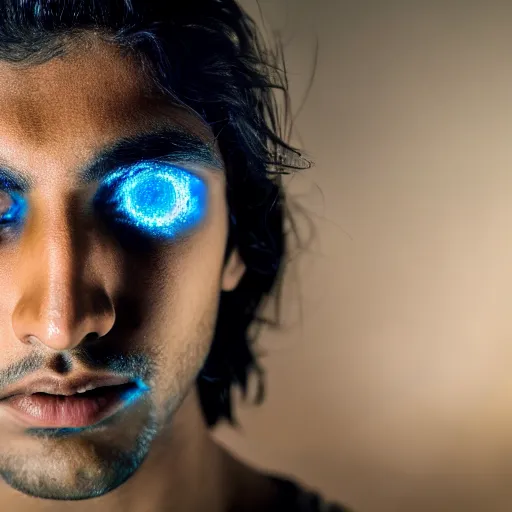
column 83, row 408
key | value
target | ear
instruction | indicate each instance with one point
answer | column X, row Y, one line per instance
column 233, row 271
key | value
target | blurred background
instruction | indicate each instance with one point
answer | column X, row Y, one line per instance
column 389, row 385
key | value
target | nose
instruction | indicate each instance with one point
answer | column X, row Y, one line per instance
column 62, row 303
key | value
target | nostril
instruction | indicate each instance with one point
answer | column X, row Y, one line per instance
column 30, row 339
column 91, row 338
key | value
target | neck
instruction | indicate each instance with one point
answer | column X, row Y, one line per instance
column 185, row 470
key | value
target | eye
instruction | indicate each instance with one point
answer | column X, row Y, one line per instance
column 12, row 208
column 155, row 198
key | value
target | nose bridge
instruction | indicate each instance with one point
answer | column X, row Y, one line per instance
column 55, row 276
column 58, row 302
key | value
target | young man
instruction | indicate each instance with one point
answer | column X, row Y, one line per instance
column 141, row 226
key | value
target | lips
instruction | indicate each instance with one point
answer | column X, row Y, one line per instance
column 59, row 403
column 63, row 386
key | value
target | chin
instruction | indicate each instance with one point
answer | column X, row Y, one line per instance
column 71, row 465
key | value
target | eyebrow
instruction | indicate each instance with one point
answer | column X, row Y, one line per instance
column 171, row 145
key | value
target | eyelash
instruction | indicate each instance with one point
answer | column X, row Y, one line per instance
column 155, row 199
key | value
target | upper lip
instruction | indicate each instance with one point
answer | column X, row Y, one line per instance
column 62, row 386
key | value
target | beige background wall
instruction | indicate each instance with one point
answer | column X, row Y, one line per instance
column 394, row 392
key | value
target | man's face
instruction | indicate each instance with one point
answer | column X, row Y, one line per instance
column 83, row 255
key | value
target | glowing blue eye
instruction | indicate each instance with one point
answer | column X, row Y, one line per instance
column 12, row 208
column 156, row 198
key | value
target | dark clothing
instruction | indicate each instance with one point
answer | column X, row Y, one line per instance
column 294, row 498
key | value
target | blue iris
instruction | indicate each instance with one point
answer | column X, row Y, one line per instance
column 156, row 198
column 16, row 212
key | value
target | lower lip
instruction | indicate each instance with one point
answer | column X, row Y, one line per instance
column 75, row 411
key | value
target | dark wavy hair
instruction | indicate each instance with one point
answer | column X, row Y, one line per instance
column 209, row 56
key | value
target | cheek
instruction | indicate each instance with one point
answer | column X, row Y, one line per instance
column 184, row 304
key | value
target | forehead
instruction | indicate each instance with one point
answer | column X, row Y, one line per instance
column 71, row 106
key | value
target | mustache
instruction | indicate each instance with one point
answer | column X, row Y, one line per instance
column 134, row 365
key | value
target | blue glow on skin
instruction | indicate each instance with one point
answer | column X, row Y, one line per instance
column 156, row 198
column 132, row 395
column 17, row 210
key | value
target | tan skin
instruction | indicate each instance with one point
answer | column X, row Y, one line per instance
column 54, row 118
